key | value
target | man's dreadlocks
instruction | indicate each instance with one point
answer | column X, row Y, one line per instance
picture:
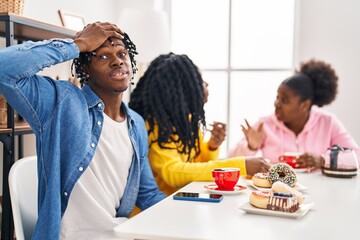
column 85, row 59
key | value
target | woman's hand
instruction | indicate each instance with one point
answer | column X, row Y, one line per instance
column 256, row 164
column 218, row 134
column 95, row 34
column 253, row 136
column 309, row 160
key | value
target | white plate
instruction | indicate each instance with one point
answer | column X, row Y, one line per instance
column 298, row 186
column 301, row 170
column 250, row 183
column 301, row 187
column 213, row 189
column 303, row 209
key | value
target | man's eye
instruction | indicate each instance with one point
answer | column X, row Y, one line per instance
column 102, row 57
column 122, row 54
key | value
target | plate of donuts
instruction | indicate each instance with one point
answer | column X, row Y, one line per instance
column 213, row 188
column 303, row 209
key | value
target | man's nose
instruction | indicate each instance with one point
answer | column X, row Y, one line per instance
column 116, row 60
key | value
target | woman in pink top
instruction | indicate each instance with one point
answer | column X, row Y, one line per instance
column 297, row 125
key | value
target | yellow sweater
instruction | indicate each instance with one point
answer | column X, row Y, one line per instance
column 172, row 171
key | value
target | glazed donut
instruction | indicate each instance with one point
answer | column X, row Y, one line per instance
column 281, row 187
column 261, row 180
column 282, row 172
column 260, row 199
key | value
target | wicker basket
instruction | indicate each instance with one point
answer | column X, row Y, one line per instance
column 3, row 110
column 12, row 6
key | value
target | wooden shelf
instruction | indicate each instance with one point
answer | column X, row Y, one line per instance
column 21, row 127
column 29, row 29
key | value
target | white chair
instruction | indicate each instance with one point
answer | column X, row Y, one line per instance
column 23, row 186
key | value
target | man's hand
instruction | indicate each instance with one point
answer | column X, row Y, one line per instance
column 256, row 164
column 95, row 34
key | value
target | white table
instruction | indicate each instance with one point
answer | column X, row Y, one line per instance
column 335, row 215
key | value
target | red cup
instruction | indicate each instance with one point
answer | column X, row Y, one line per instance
column 226, row 178
column 289, row 158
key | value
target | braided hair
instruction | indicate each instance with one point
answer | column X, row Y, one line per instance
column 85, row 59
column 170, row 95
column 315, row 80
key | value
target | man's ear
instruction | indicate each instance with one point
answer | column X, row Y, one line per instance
column 85, row 68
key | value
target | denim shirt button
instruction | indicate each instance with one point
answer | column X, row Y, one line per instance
column 99, row 105
column 81, row 169
column 93, row 145
column 65, row 194
column 98, row 123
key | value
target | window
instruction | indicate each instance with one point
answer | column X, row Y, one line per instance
column 199, row 28
column 262, row 34
column 244, row 49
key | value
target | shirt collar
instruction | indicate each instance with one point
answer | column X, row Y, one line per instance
column 93, row 100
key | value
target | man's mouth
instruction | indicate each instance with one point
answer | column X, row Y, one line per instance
column 119, row 74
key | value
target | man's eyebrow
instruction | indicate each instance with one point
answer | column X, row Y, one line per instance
column 120, row 44
column 116, row 44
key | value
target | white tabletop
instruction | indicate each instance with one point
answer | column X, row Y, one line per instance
column 335, row 215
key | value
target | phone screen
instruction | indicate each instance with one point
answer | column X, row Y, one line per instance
column 203, row 197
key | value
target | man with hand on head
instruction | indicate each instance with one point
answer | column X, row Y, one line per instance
column 91, row 148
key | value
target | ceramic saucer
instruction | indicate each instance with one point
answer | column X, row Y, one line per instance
column 213, row 188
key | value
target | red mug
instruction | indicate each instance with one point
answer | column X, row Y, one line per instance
column 226, row 178
column 289, row 158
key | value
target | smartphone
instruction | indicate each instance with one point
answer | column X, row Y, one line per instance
column 202, row 197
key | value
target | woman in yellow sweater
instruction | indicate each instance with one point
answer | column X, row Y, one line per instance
column 170, row 97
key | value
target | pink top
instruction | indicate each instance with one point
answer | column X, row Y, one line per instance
column 321, row 131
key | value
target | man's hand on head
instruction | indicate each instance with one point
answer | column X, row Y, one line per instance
column 95, row 34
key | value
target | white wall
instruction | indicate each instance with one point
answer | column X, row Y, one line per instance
column 330, row 30
column 91, row 10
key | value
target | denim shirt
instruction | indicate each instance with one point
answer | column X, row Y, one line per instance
column 67, row 122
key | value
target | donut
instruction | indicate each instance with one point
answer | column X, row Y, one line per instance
column 282, row 172
column 281, row 187
column 261, row 180
column 274, row 201
column 260, row 199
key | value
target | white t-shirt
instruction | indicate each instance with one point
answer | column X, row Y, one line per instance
column 92, row 206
